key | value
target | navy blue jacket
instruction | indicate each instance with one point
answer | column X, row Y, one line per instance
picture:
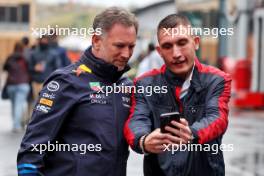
column 62, row 54
column 205, row 107
column 50, row 60
column 71, row 110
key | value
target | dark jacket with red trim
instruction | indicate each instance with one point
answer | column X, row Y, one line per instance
column 77, row 127
column 205, row 107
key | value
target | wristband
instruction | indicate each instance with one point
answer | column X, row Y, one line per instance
column 143, row 138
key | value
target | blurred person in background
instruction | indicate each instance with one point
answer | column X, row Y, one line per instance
column 60, row 51
column 26, row 48
column 17, row 85
column 27, row 52
column 42, row 63
column 151, row 61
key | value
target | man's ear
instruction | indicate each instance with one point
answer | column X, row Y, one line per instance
column 96, row 42
column 159, row 50
column 196, row 42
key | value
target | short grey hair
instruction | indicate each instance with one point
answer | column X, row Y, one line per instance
column 114, row 15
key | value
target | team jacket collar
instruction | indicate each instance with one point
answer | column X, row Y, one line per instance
column 101, row 68
column 195, row 80
column 173, row 79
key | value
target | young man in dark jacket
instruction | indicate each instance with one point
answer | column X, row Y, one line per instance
column 76, row 129
column 198, row 92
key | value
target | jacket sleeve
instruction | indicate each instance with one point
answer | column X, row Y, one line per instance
column 138, row 122
column 214, row 123
column 56, row 100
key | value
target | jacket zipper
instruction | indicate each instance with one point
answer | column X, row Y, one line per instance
column 117, row 130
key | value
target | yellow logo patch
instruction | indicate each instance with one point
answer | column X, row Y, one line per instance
column 82, row 69
column 45, row 101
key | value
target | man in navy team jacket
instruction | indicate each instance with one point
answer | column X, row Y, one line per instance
column 73, row 114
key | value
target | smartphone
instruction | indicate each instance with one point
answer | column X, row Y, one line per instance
column 166, row 118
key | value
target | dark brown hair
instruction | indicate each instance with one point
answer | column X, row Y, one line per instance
column 172, row 21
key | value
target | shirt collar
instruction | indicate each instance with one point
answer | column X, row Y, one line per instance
column 187, row 83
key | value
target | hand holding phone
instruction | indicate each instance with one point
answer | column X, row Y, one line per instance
column 166, row 118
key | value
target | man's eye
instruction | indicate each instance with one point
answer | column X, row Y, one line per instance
column 131, row 46
column 166, row 46
column 182, row 42
column 120, row 46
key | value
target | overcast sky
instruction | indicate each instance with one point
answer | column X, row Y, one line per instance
column 124, row 3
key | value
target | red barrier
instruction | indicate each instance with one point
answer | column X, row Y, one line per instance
column 242, row 75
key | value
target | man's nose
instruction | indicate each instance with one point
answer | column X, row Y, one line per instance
column 176, row 53
column 125, row 53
